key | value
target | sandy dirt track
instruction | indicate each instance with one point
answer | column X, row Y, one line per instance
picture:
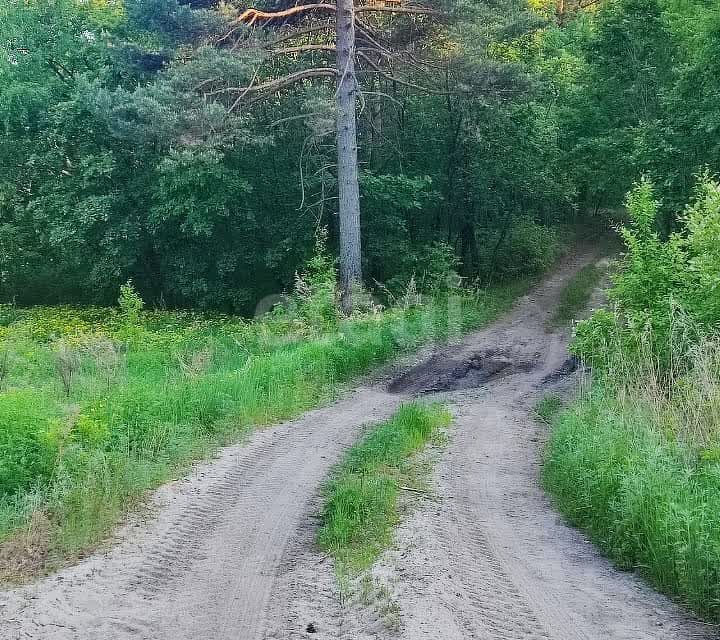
column 229, row 554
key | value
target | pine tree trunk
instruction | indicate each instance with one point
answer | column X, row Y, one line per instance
column 347, row 156
column 560, row 12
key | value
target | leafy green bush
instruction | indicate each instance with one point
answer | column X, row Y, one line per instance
column 315, row 295
column 667, row 292
column 391, row 207
column 635, row 464
column 432, row 270
column 130, row 303
column 8, row 315
column 529, row 249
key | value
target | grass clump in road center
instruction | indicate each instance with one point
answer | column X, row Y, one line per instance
column 577, row 293
column 361, row 506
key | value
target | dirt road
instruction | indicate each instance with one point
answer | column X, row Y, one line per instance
column 229, row 553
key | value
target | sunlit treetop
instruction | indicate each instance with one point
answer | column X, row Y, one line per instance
column 102, row 13
column 106, row 13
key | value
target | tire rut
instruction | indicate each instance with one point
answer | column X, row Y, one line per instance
column 493, row 561
column 174, row 553
column 478, row 572
column 204, row 568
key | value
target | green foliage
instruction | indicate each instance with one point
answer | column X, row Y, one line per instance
column 641, row 494
column 635, row 462
column 597, row 338
column 548, row 407
column 140, row 410
column 130, row 303
column 131, row 306
column 528, row 249
column 126, row 157
column 701, row 246
column 629, row 66
column 652, row 269
column 640, row 99
column 433, row 270
column 361, row 499
column 28, row 448
column 667, row 292
column 315, row 294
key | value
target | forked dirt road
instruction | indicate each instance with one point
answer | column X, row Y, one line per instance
column 229, row 553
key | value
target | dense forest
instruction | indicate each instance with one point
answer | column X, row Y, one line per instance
column 129, row 153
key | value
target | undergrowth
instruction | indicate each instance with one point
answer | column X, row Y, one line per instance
column 548, row 407
column 99, row 405
column 361, row 507
column 635, row 461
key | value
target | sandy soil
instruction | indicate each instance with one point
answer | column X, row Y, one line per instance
column 228, row 553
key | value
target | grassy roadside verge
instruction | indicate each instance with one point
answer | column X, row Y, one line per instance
column 620, row 467
column 361, row 498
column 576, row 294
column 635, row 462
column 148, row 393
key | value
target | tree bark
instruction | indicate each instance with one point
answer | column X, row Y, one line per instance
column 347, row 155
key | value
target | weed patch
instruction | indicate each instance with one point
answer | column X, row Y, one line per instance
column 548, row 407
column 636, row 462
column 649, row 498
column 362, row 497
column 97, row 406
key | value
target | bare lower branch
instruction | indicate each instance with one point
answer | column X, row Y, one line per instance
column 370, row 61
column 365, row 32
column 301, row 32
column 251, row 16
column 278, row 83
column 302, row 116
column 411, row 10
column 305, row 48
column 227, row 35
column 240, row 98
column 397, row 80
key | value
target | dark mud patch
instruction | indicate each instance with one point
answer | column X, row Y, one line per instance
column 571, row 365
column 446, row 373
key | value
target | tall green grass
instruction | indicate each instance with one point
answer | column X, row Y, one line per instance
column 637, row 466
column 162, row 394
column 636, row 463
column 362, row 496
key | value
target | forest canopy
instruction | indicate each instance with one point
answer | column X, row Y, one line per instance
column 129, row 153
